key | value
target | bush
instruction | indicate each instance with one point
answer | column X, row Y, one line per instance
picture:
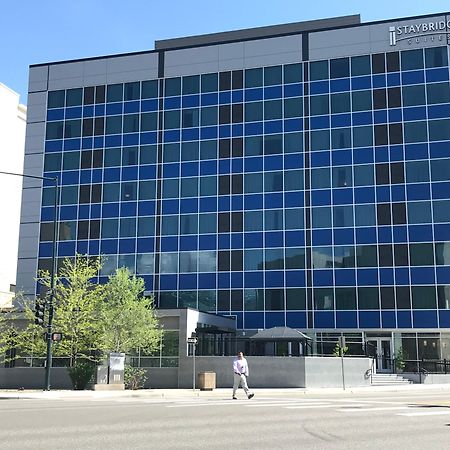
column 135, row 377
column 81, row 374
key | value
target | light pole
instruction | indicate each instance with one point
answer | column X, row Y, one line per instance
column 48, row 336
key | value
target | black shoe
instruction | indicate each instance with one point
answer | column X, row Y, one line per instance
column 234, row 398
column 250, row 396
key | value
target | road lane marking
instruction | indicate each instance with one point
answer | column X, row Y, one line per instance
column 386, row 408
column 425, row 413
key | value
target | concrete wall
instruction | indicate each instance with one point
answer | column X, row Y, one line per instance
column 33, row 378
column 327, row 372
column 265, row 372
column 431, row 378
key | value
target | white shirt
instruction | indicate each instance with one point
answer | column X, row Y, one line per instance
column 240, row 366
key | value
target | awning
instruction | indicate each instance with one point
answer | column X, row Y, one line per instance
column 280, row 334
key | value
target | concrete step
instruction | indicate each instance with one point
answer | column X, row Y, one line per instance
column 389, row 379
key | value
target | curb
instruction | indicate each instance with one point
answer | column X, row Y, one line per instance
column 167, row 394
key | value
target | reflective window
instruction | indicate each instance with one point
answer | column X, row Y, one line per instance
column 321, row 217
column 421, row 254
column 365, row 215
column 412, row 59
column 344, row 257
column 295, row 258
column 322, row 257
column 364, row 175
column 368, row 298
column 345, row 298
column 169, row 262
column 366, row 255
column 419, row 212
column 320, row 178
column 417, row 171
column 323, row 299
column 343, row 216
column 442, row 253
column 253, row 259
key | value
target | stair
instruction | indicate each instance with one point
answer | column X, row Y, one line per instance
column 389, row 379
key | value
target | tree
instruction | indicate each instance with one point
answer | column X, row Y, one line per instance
column 8, row 334
column 128, row 318
column 76, row 308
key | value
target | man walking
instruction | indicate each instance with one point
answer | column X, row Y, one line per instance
column 240, row 369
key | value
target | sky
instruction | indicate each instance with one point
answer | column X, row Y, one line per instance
column 33, row 32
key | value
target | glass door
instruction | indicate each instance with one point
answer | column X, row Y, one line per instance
column 380, row 349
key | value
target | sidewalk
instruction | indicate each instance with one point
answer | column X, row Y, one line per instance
column 216, row 393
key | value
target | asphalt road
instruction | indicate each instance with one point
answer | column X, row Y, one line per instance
column 389, row 420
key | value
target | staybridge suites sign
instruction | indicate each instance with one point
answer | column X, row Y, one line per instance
column 420, row 32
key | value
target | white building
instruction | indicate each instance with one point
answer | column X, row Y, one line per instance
column 12, row 141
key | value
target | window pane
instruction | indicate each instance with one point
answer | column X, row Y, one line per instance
column 322, row 257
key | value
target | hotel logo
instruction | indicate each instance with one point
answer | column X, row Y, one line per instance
column 420, row 32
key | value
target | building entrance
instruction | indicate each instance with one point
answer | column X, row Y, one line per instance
column 380, row 348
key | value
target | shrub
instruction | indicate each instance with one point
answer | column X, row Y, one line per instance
column 135, row 377
column 81, row 374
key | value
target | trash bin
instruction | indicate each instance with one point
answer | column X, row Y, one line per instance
column 206, row 381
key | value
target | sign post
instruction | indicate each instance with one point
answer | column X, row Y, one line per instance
column 341, row 351
column 193, row 342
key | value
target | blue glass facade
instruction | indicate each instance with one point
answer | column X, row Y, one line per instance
column 314, row 195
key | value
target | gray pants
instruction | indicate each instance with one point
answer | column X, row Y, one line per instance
column 240, row 380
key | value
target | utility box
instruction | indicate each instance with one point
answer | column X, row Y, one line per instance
column 116, row 368
column 206, row 381
column 102, row 375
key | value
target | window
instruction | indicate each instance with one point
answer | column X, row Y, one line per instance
column 361, row 100
column 339, row 68
column 253, row 78
column 150, row 89
column 366, row 255
column 421, row 254
column 319, row 105
column 210, row 82
column 191, row 84
column 368, row 298
column 344, row 257
column 360, row 65
column 345, row 298
column 436, row 57
column 364, row 175
column 323, row 299
column 413, row 95
column 293, row 73
column 412, row 59
column 74, row 97
column 295, row 258
column 342, row 177
column 365, row 215
column 320, row 178
column 438, row 93
column 322, row 257
column 318, row 70
column 56, row 99
column 419, row 212
column 340, row 103
column 272, row 75
column 321, row 217
column 172, row 87
column 378, row 63
column 253, row 259
column 343, row 216
column 417, row 171
column 114, row 93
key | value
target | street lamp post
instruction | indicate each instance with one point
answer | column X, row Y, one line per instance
column 48, row 336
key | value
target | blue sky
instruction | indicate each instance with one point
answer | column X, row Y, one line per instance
column 33, row 32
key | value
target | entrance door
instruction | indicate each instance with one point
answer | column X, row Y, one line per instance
column 380, row 349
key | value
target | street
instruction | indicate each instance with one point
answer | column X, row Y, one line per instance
column 408, row 419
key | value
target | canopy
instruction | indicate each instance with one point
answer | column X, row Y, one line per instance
column 280, row 334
